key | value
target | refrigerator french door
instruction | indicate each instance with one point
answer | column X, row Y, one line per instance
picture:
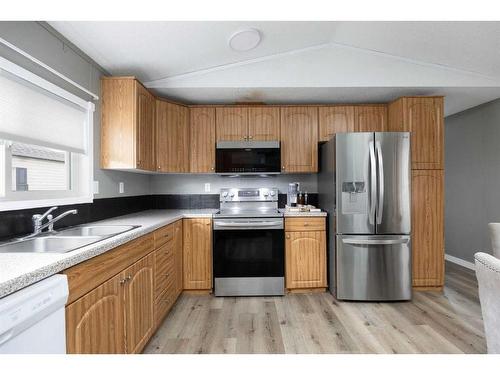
column 373, row 216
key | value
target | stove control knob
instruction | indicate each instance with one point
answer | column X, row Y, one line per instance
column 224, row 194
column 231, row 194
column 266, row 193
column 273, row 193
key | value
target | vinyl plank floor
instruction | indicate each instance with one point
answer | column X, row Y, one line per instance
column 433, row 322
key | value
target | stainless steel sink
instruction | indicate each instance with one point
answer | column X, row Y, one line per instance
column 66, row 240
column 49, row 244
column 95, row 230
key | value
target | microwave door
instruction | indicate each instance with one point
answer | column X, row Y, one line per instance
column 355, row 183
column 393, row 209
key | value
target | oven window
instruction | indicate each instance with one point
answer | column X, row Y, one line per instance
column 263, row 160
column 248, row 253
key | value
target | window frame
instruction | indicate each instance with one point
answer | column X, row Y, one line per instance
column 84, row 176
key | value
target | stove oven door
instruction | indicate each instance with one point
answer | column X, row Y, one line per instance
column 248, row 256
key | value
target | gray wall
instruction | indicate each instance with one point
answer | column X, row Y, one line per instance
column 44, row 43
column 472, row 179
column 195, row 184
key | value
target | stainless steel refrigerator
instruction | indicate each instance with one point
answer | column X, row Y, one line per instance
column 365, row 185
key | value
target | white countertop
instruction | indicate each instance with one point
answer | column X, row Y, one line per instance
column 22, row 269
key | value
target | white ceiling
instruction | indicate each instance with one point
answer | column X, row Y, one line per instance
column 301, row 62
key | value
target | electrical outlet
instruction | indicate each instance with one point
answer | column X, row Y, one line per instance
column 121, row 187
column 96, row 187
column 207, row 187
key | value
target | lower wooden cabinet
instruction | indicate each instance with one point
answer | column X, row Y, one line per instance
column 137, row 281
column 197, row 254
column 428, row 228
column 305, row 254
column 117, row 316
column 94, row 323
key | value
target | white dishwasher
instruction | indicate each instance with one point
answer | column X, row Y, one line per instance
column 32, row 320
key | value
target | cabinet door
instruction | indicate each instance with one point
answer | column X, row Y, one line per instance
column 178, row 257
column 139, row 299
column 231, row 123
column 94, row 322
column 264, row 124
column 172, row 137
column 299, row 139
column 197, row 254
column 305, row 259
column 202, row 138
column 424, row 117
column 428, row 227
column 118, row 135
column 335, row 119
column 145, row 129
column 370, row 118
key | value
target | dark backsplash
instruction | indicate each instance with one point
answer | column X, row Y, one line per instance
column 18, row 222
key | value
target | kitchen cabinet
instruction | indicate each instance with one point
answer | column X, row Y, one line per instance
column 428, row 228
column 231, row 123
column 335, row 119
column 202, row 140
column 299, row 139
column 127, row 124
column 263, row 124
column 370, row 118
column 197, row 254
column 305, row 253
column 252, row 123
column 137, row 281
column 94, row 323
column 172, row 137
column 423, row 117
column 115, row 317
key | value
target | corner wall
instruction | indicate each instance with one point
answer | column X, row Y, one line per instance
column 472, row 179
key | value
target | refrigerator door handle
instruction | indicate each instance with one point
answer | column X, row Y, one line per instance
column 352, row 241
column 373, row 179
column 380, row 200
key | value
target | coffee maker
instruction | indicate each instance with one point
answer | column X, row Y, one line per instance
column 293, row 191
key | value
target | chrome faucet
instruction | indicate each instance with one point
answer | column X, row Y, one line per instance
column 38, row 227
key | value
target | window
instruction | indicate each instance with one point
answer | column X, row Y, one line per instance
column 45, row 142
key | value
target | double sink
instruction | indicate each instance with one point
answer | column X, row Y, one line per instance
column 65, row 240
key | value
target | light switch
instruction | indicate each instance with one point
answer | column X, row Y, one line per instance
column 121, row 187
column 207, row 187
column 96, row 187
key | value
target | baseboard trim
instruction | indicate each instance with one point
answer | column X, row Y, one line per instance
column 460, row 262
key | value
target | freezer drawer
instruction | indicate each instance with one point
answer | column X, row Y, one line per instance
column 374, row 268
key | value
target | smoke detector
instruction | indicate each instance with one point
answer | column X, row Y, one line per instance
column 245, row 40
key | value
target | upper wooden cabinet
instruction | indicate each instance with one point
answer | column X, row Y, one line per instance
column 428, row 228
column 263, row 124
column 231, row 123
column 423, row 117
column 248, row 123
column 370, row 118
column 197, row 254
column 202, row 140
column 127, row 121
column 172, row 137
column 299, row 139
column 335, row 119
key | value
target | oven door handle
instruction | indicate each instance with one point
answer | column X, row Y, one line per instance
column 250, row 225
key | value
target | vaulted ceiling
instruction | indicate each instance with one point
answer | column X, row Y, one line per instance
column 301, row 62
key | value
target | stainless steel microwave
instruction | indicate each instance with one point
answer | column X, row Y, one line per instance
column 253, row 157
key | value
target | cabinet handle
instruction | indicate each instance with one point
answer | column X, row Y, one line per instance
column 212, row 168
column 288, row 236
column 123, row 281
column 306, row 224
column 167, row 275
column 283, row 167
column 129, row 278
column 159, row 167
column 250, row 136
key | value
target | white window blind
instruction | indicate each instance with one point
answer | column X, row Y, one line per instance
column 32, row 114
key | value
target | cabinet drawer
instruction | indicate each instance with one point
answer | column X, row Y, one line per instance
column 164, row 268
column 163, row 235
column 304, row 224
column 163, row 304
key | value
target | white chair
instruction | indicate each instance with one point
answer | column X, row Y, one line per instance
column 495, row 238
column 488, row 277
